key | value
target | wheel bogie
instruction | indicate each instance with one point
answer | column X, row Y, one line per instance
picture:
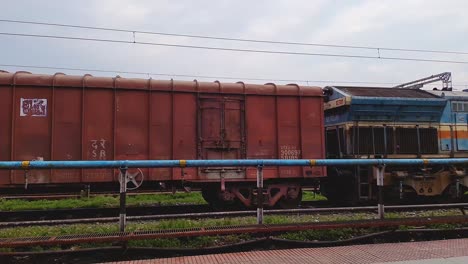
column 247, row 196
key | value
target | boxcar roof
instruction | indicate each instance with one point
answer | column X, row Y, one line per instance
column 385, row 92
column 89, row 81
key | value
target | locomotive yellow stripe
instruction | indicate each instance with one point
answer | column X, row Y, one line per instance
column 25, row 164
column 183, row 163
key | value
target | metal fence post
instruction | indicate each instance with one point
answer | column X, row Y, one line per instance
column 380, row 182
column 259, row 195
column 123, row 198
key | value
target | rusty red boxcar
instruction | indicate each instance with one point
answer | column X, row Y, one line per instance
column 61, row 117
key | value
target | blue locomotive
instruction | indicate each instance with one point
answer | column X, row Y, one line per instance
column 398, row 122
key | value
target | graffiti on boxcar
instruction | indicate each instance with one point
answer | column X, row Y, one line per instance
column 289, row 152
column 33, row 107
column 98, row 149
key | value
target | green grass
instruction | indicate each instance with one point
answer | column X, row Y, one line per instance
column 327, row 235
column 103, row 201
column 431, row 213
column 113, row 201
column 188, row 223
column 311, row 196
column 33, row 231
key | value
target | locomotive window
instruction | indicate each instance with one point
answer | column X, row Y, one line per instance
column 459, row 106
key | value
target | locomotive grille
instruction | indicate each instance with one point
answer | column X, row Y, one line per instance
column 370, row 140
column 335, row 144
column 407, row 140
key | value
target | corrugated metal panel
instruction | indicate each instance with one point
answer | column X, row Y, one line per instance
column 59, row 117
column 88, row 81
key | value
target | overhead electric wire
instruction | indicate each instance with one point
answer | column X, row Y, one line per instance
column 234, row 39
column 200, row 76
column 231, row 49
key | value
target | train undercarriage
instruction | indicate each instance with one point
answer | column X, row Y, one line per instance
column 357, row 184
column 282, row 195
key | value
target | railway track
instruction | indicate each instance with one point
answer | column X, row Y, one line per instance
column 218, row 214
column 78, row 195
column 60, row 214
column 262, row 236
column 224, row 230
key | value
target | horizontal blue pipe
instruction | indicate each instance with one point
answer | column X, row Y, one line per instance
column 8, row 165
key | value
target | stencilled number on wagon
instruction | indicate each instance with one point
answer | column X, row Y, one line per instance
column 33, row 107
column 98, row 149
column 289, row 152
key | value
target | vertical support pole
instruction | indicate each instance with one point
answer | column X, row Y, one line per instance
column 339, row 141
column 452, row 142
column 26, row 179
column 88, row 191
column 260, row 195
column 380, row 179
column 123, row 199
column 401, row 190
column 373, row 141
column 419, row 141
column 358, row 140
column 385, row 140
column 353, row 139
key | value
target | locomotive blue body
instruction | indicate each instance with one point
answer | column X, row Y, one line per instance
column 373, row 122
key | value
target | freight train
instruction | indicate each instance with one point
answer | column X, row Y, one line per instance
column 62, row 117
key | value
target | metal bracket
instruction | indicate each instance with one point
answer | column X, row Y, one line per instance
column 136, row 178
column 380, row 174
column 26, row 179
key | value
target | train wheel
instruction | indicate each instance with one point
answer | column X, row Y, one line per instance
column 214, row 197
column 209, row 194
column 292, row 200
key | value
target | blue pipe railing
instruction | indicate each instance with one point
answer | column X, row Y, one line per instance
column 16, row 165
column 123, row 165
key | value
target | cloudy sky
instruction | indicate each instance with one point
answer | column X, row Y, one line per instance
column 409, row 24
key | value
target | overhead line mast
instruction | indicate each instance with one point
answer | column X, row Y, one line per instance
column 445, row 77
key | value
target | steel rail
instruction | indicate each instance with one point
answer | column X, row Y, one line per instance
column 70, row 213
column 223, row 230
column 229, row 214
column 28, row 165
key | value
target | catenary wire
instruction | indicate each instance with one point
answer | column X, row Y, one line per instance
column 232, row 49
column 234, row 39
